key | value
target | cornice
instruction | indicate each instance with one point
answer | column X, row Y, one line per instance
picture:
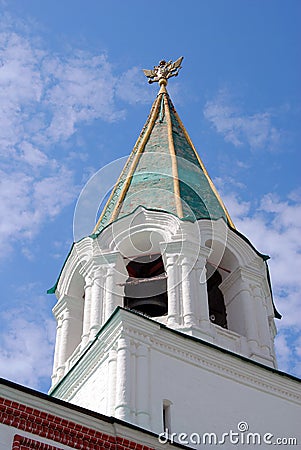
column 220, row 362
column 183, row 347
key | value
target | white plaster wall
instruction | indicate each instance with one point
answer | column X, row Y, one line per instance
column 204, row 401
column 93, row 395
column 210, row 390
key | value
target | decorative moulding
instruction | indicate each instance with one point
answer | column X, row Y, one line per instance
column 183, row 347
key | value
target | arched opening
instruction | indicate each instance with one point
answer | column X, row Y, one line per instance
column 217, row 308
column 75, row 299
column 146, row 287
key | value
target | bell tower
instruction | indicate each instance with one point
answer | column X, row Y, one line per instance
column 165, row 306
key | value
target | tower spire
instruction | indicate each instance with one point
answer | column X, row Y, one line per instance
column 164, row 171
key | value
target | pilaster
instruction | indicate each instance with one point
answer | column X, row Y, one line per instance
column 189, row 313
column 263, row 322
column 96, row 302
column 123, row 378
column 142, row 386
column 171, row 263
column 56, row 361
column 69, row 315
column 109, row 295
column 111, row 380
column 87, row 311
column 200, row 290
column 247, row 312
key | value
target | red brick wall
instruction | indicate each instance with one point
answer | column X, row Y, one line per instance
column 24, row 443
column 57, row 429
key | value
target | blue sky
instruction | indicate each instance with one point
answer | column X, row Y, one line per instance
column 73, row 98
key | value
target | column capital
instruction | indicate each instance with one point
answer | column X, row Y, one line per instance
column 109, row 270
column 204, row 252
column 256, row 288
column 248, row 276
column 99, row 262
column 107, row 258
column 64, row 304
column 142, row 350
column 88, row 282
column 171, row 248
column 181, row 249
column 187, row 260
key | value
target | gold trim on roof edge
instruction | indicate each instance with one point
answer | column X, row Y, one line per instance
column 174, row 166
column 140, row 143
column 204, row 169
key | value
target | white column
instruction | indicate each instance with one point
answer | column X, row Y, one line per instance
column 172, row 289
column 111, row 382
column 109, row 296
column 123, row 379
column 87, row 311
column 249, row 317
column 202, row 306
column 262, row 320
column 96, row 303
column 189, row 313
column 57, row 348
column 65, row 329
column 142, row 386
column 70, row 333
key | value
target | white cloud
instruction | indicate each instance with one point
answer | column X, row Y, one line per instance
column 283, row 352
column 78, row 89
column 274, row 227
column 27, row 202
column 256, row 130
column 27, row 343
column 32, row 155
column 44, row 99
column 131, row 87
column 43, row 96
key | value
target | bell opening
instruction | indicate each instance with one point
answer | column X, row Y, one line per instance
column 217, row 308
column 146, row 287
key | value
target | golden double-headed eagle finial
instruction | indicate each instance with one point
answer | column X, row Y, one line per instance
column 163, row 71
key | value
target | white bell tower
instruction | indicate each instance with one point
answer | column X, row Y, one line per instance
column 166, row 311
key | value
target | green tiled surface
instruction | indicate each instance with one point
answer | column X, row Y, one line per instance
column 152, row 184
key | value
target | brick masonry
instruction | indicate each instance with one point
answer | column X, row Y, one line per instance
column 24, row 443
column 59, row 430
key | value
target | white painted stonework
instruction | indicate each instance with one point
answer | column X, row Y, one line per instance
column 141, row 364
column 91, row 285
column 133, row 365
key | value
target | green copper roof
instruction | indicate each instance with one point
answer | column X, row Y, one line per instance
column 164, row 172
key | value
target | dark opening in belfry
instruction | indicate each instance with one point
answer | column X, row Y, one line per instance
column 217, row 308
column 146, row 287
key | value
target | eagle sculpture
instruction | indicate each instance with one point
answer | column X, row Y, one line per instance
column 164, row 70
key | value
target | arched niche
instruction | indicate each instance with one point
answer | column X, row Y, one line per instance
column 216, row 302
column 221, row 263
column 71, row 300
column 140, row 240
column 146, row 286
